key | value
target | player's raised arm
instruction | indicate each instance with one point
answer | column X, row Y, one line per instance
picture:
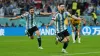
column 45, row 13
column 52, row 20
column 72, row 16
column 84, row 21
column 42, row 12
column 15, row 18
column 18, row 17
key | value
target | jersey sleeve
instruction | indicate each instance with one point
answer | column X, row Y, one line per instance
column 54, row 17
column 25, row 14
column 68, row 14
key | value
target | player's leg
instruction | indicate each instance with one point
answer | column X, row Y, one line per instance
column 78, row 33
column 30, row 33
column 95, row 21
column 73, row 34
column 63, row 37
column 39, row 39
column 65, row 41
column 65, row 44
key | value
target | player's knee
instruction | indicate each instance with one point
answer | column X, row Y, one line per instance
column 66, row 40
column 38, row 33
column 31, row 37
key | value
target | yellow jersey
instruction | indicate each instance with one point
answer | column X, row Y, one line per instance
column 75, row 21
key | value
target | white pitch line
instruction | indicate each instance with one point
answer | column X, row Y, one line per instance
column 78, row 53
column 83, row 53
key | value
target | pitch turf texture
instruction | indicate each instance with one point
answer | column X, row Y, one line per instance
column 23, row 46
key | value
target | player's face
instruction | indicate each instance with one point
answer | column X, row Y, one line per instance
column 62, row 7
column 31, row 11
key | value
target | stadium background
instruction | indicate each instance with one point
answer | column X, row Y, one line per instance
column 13, row 41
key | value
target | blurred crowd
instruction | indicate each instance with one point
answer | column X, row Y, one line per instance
column 15, row 7
column 10, row 8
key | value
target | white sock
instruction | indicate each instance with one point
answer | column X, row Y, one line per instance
column 63, row 49
column 79, row 39
column 73, row 37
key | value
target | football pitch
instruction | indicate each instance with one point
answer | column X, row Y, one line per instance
column 23, row 46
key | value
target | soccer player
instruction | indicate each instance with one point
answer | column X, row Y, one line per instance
column 62, row 34
column 76, row 27
column 94, row 17
column 31, row 24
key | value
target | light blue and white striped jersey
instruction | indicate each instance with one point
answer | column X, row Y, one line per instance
column 59, row 21
column 30, row 20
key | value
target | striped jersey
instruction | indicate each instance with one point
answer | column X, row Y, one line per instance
column 30, row 20
column 59, row 21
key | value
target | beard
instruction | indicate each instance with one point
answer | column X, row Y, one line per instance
column 62, row 11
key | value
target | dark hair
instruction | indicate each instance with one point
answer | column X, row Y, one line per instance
column 60, row 4
column 31, row 7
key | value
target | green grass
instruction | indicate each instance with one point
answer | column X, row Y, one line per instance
column 23, row 46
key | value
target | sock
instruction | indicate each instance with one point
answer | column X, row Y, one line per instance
column 65, row 45
column 73, row 36
column 39, row 41
column 79, row 40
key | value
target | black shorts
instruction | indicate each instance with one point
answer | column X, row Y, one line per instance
column 62, row 35
column 95, row 21
column 32, row 30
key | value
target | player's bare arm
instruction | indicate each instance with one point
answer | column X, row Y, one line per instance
column 72, row 16
column 45, row 13
column 15, row 18
column 83, row 20
column 21, row 16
